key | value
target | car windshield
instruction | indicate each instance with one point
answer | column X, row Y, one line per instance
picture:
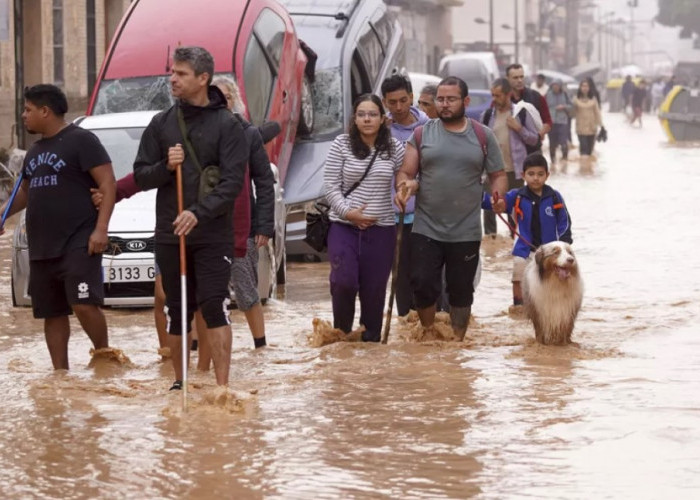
column 328, row 103
column 144, row 93
column 121, row 144
column 147, row 93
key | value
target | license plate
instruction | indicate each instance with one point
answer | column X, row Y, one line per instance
column 121, row 274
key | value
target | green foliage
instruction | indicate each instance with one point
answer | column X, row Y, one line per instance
column 683, row 13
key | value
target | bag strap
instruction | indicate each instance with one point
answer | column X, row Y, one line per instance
column 481, row 137
column 188, row 144
column 487, row 116
column 418, row 136
column 354, row 186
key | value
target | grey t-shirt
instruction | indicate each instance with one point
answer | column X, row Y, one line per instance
column 448, row 203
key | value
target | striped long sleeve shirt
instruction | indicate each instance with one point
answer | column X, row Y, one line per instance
column 343, row 169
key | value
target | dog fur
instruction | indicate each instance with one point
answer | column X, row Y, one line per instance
column 553, row 292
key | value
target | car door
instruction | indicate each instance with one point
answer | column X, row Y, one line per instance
column 271, row 81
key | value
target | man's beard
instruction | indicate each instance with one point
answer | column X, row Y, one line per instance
column 454, row 118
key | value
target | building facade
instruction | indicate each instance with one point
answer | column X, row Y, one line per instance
column 427, row 30
column 52, row 41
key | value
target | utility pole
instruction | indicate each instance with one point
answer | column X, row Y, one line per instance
column 632, row 4
column 517, row 41
column 491, row 25
column 19, row 71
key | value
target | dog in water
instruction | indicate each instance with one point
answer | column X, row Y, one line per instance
column 553, row 292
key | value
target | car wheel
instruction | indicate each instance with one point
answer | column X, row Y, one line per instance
column 306, row 113
column 12, row 286
column 282, row 270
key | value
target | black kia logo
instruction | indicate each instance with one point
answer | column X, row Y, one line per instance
column 135, row 245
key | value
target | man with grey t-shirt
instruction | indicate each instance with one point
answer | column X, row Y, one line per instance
column 447, row 224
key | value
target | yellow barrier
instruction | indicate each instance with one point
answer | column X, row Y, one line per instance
column 666, row 108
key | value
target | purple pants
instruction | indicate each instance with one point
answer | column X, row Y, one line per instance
column 360, row 262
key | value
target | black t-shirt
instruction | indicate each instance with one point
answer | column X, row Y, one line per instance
column 60, row 213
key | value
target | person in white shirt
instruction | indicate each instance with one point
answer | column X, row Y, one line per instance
column 540, row 85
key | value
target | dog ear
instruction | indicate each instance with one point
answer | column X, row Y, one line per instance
column 539, row 256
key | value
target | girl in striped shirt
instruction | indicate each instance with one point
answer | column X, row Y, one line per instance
column 363, row 232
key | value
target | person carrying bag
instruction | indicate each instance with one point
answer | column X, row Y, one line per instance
column 362, row 230
column 318, row 223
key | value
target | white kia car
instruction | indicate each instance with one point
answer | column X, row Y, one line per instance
column 128, row 266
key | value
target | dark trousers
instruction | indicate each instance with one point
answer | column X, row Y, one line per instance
column 460, row 260
column 559, row 136
column 490, row 215
column 585, row 144
column 360, row 263
column 404, row 292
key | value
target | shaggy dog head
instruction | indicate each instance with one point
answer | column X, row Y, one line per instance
column 556, row 259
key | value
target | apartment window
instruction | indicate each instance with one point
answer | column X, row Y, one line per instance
column 58, row 42
column 91, row 45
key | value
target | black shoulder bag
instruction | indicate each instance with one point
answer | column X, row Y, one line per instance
column 318, row 223
column 210, row 175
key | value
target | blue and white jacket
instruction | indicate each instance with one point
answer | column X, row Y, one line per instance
column 554, row 221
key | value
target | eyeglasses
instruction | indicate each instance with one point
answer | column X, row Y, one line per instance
column 449, row 99
column 367, row 114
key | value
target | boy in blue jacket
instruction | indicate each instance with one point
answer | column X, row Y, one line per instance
column 539, row 213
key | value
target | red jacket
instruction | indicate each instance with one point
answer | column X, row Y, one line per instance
column 127, row 187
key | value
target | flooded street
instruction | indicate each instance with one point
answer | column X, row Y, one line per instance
column 617, row 416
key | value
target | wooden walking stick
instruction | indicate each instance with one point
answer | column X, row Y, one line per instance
column 394, row 273
column 183, row 289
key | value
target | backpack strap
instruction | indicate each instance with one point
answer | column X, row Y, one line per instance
column 557, row 204
column 481, row 136
column 418, row 136
column 487, row 116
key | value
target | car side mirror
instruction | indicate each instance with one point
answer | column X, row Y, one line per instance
column 270, row 130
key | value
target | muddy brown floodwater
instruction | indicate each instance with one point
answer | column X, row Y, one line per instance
column 497, row 417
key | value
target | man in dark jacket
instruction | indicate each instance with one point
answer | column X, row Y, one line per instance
column 516, row 78
column 216, row 138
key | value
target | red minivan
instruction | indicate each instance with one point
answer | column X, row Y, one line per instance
column 251, row 40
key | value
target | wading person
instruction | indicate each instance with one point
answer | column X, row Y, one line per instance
column 588, row 120
column 639, row 102
column 516, row 78
column 397, row 97
column 560, row 106
column 357, row 182
column 540, row 214
column 514, row 134
column 451, row 158
column 212, row 138
column 66, row 234
column 244, row 272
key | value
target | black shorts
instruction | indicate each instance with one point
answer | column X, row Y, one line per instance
column 208, row 274
column 461, row 260
column 57, row 284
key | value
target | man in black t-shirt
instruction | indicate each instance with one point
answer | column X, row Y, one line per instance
column 66, row 234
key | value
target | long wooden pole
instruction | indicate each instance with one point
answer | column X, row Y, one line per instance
column 394, row 274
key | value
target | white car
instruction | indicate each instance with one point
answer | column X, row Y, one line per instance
column 129, row 265
column 420, row 80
